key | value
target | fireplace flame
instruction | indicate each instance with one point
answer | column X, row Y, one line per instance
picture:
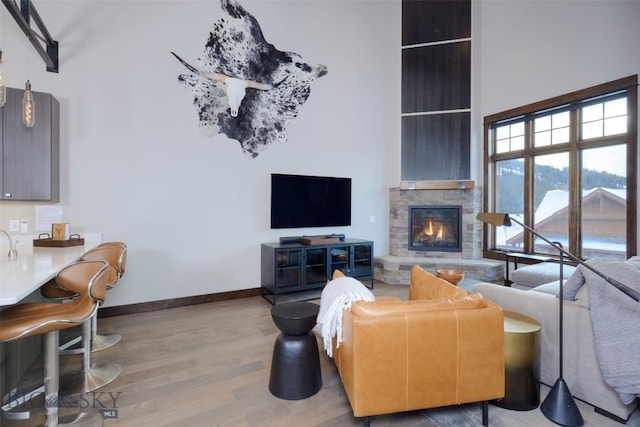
column 428, row 228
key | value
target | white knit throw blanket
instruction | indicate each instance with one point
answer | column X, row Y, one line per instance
column 336, row 297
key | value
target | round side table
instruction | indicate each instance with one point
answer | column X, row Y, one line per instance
column 522, row 362
column 295, row 364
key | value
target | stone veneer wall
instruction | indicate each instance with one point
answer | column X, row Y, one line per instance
column 469, row 199
column 395, row 268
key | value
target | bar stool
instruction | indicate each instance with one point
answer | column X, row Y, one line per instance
column 89, row 281
column 92, row 376
column 121, row 244
column 115, row 253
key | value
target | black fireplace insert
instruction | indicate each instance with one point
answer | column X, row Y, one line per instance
column 435, row 228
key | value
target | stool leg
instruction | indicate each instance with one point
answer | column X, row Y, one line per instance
column 65, row 348
column 101, row 341
column 91, row 376
column 98, row 341
column 51, row 389
column 51, row 380
column 17, row 400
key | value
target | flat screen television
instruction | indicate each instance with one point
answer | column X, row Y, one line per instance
column 310, row 201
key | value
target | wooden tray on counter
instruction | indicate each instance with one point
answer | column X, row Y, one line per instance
column 50, row 243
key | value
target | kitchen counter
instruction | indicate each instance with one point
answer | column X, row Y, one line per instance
column 35, row 266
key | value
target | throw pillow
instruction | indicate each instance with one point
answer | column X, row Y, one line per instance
column 572, row 285
column 424, row 285
column 337, row 274
column 625, row 272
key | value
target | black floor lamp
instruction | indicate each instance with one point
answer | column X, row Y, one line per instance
column 559, row 406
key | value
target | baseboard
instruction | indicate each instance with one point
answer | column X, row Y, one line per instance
column 175, row 302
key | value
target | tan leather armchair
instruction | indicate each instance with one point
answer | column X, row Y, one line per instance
column 443, row 346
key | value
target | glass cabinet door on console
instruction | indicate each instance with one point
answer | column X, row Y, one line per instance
column 354, row 260
column 362, row 261
column 288, row 268
column 315, row 271
column 340, row 255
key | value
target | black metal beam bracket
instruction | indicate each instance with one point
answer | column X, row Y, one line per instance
column 44, row 44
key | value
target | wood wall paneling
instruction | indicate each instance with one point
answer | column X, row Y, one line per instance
column 436, row 147
column 436, row 78
column 435, row 20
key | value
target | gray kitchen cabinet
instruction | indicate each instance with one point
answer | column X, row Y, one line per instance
column 30, row 162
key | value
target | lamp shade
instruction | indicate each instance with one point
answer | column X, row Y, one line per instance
column 497, row 219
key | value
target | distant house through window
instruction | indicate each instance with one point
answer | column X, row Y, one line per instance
column 566, row 167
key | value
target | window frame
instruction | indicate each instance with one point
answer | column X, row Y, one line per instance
column 571, row 102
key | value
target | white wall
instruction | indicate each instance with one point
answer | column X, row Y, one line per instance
column 532, row 50
column 194, row 209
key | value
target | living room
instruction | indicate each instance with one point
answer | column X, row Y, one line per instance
column 194, row 208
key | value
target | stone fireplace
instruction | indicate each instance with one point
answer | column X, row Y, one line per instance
column 462, row 251
column 468, row 199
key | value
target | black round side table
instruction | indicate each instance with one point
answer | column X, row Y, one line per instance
column 295, row 364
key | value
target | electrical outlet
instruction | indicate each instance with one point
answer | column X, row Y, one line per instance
column 14, row 225
column 24, row 226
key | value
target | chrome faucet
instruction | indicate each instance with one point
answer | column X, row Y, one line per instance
column 13, row 252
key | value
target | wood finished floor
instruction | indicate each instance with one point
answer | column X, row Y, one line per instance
column 208, row 365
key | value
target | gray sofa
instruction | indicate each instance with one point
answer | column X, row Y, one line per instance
column 580, row 369
column 534, row 275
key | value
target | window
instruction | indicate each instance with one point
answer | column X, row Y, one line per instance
column 567, row 168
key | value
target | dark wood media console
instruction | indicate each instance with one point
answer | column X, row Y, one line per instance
column 296, row 267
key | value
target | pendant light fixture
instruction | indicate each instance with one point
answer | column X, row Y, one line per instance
column 3, row 88
column 28, row 107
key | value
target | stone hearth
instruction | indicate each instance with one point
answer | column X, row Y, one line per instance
column 395, row 267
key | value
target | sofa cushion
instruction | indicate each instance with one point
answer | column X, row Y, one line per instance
column 424, row 285
column 625, row 272
column 634, row 261
column 538, row 274
column 466, row 302
column 581, row 297
column 550, row 288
